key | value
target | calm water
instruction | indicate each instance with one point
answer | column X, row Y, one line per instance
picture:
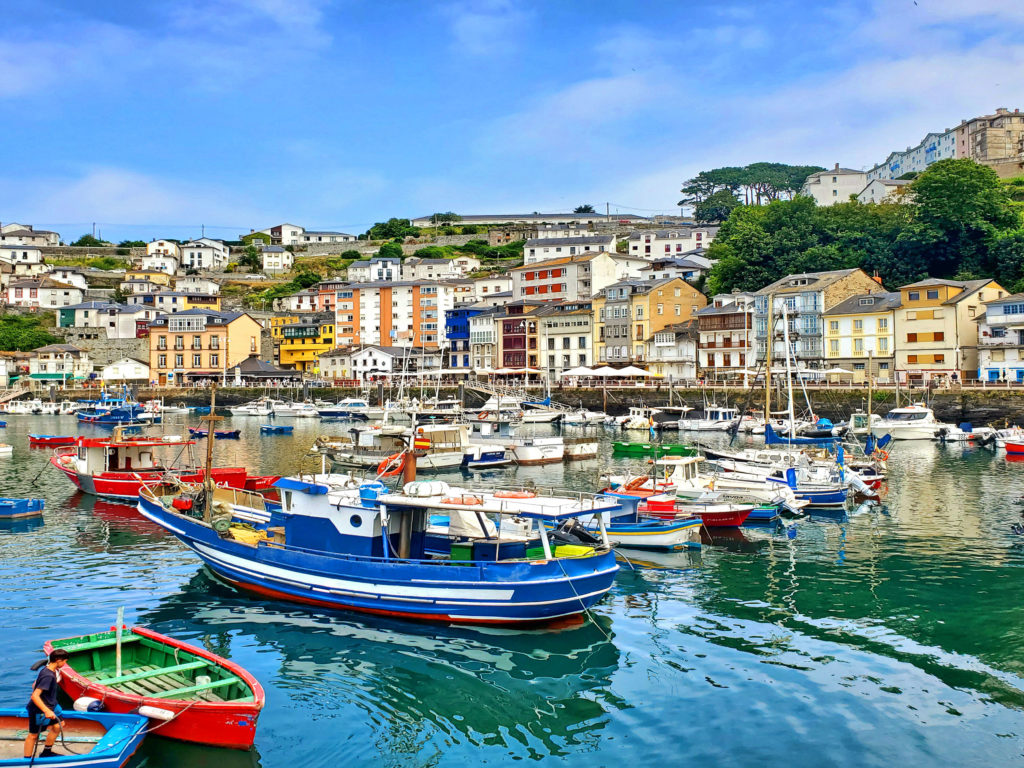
column 889, row 637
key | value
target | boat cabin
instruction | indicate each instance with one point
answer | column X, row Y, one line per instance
column 99, row 455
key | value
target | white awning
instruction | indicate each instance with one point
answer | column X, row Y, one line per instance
column 632, row 370
column 581, row 370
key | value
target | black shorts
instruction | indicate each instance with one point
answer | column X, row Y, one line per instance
column 38, row 722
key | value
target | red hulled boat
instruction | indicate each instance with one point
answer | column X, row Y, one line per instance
column 50, row 440
column 119, row 466
column 712, row 514
column 198, row 696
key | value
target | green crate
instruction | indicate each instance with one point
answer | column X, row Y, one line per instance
column 462, row 551
column 535, row 553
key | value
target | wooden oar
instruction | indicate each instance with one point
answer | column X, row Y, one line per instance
column 117, row 644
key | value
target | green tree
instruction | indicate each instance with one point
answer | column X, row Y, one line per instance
column 132, row 244
column 1008, row 253
column 390, row 229
column 252, row 258
column 448, row 217
column 391, row 250
column 351, row 254
column 716, row 207
column 88, row 241
column 23, row 333
column 585, row 208
column 119, row 296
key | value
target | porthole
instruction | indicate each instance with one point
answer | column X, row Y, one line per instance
column 355, row 521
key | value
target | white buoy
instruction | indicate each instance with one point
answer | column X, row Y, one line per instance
column 82, row 704
column 156, row 713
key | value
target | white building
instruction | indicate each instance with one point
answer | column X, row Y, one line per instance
column 689, row 267
column 197, row 284
column 43, row 293
column 566, row 335
column 60, row 362
column 120, row 321
column 483, row 340
column 547, row 248
column 137, row 286
column 1001, row 340
column 378, row 269
column 328, row 237
column 163, row 248
column 933, row 147
column 160, row 262
column 204, row 254
column 883, row 190
column 672, row 351
column 70, row 276
column 26, row 234
column 488, row 286
column 127, row 370
column 285, row 234
column 415, row 268
column 24, row 255
column 549, row 231
column 373, row 361
column 276, row 259
column 834, row 186
column 652, row 243
column 726, row 341
column 306, row 300
column 573, row 277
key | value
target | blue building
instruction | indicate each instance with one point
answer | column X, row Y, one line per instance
column 456, row 330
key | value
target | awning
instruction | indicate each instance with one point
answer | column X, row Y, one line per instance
column 632, row 370
column 579, row 371
column 54, row 376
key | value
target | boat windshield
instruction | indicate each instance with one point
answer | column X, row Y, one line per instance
column 906, row 416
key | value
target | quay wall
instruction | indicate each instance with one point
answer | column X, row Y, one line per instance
column 980, row 407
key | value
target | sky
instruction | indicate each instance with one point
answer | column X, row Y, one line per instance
column 174, row 119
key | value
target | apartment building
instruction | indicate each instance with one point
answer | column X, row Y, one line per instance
column 400, row 313
column 170, row 302
column 457, row 336
column 995, row 140
column 883, row 191
column 834, row 186
column 1001, row 339
column 672, row 351
column 802, row 299
column 276, row 259
column 632, row 311
column 860, row 335
column 160, row 262
column 197, row 284
column 163, row 248
column 299, row 340
column 204, row 254
column 518, row 338
column 937, row 328
column 197, row 342
column 566, row 332
column 661, row 243
column 26, row 234
column 725, row 329
column 378, row 269
column 547, row 248
column 572, row 277
column 119, row 321
column 60, row 362
column 43, row 293
column 483, row 338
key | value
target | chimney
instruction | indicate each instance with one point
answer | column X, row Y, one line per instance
column 876, row 278
column 837, row 166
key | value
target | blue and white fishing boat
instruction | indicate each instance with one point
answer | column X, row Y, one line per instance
column 341, row 543
column 111, row 410
column 276, row 429
column 14, row 509
column 93, row 739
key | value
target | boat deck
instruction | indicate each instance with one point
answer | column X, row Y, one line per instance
column 80, row 738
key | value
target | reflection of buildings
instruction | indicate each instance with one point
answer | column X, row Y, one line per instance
column 396, row 686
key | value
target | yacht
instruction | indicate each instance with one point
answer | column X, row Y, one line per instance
column 913, row 422
column 357, row 408
column 716, row 419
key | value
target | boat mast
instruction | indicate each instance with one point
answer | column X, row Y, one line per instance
column 769, row 347
column 871, row 385
column 789, row 371
column 208, row 483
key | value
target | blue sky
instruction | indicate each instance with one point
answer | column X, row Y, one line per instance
column 156, row 118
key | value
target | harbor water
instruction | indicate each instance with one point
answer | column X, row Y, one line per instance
column 884, row 636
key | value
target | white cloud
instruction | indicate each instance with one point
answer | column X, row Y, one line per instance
column 485, row 27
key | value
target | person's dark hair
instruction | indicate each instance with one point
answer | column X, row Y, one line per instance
column 58, row 654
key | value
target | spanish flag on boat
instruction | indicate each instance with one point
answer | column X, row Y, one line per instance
column 421, row 443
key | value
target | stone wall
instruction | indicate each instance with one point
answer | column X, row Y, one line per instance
column 365, row 247
column 54, row 253
column 103, row 351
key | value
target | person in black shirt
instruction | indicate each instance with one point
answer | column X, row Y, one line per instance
column 43, row 709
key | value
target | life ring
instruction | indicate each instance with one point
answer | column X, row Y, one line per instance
column 635, row 483
column 515, row 495
column 883, row 455
column 392, row 465
column 464, row 501
column 483, row 415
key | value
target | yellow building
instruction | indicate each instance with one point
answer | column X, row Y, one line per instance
column 937, row 330
column 299, row 340
column 152, row 275
column 632, row 311
column 860, row 335
column 196, row 343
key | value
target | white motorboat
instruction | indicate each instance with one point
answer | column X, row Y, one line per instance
column 641, row 417
column 912, row 422
column 349, row 408
column 862, row 423
column 296, row 410
column 583, row 417
column 262, row 407
column 442, row 445
column 715, row 419
column 966, row 433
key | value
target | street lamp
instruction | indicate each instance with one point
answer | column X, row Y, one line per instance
column 64, row 370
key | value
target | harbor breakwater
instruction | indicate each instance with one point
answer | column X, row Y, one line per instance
column 979, row 406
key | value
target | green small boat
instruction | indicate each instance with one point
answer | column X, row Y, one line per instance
column 653, row 449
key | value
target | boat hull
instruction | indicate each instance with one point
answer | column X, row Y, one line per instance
column 504, row 592
column 229, row 724
column 126, row 485
column 118, row 737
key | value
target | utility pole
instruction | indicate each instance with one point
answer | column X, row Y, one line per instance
column 94, row 229
column 607, row 212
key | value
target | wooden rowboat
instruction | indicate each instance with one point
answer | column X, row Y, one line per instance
column 11, row 509
column 219, row 434
column 211, row 700
column 94, row 739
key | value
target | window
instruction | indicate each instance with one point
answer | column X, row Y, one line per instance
column 858, row 345
column 858, row 325
column 179, row 361
column 833, row 347
column 551, row 343
column 197, row 361
column 911, row 358
column 932, row 293
column 583, row 342
column 252, row 343
column 883, row 323
column 938, row 336
column 660, row 308
column 679, row 310
column 161, row 361
column 566, row 342
column 639, row 312
column 161, row 342
column 833, row 326
column 883, row 345
column 214, row 360
column 914, row 296
column 940, row 358
column 911, row 338
column 179, row 342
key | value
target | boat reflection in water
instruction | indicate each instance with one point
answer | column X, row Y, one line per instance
column 21, row 524
column 400, row 688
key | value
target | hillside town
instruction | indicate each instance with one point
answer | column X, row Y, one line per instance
column 569, row 293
